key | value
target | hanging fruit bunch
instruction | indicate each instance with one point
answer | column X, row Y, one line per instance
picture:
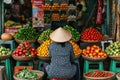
column 25, row 50
column 91, row 34
column 94, row 51
column 45, row 35
column 74, row 32
column 26, row 33
column 113, row 49
column 42, row 50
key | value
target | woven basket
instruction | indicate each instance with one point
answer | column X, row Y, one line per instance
column 39, row 73
column 44, row 58
column 118, row 76
column 93, row 59
column 21, row 58
column 117, row 58
column 5, row 57
column 90, row 41
column 20, row 41
column 99, row 78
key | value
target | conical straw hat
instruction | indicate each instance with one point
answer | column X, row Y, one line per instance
column 60, row 35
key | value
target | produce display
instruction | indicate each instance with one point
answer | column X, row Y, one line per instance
column 25, row 50
column 98, row 74
column 9, row 23
column 45, row 35
column 42, row 50
column 63, row 6
column 26, row 74
column 26, row 33
column 47, row 18
column 91, row 34
column 74, row 32
column 113, row 49
column 76, row 48
column 4, row 51
column 55, row 6
column 63, row 17
column 47, row 6
column 94, row 51
column 6, row 36
column 55, row 16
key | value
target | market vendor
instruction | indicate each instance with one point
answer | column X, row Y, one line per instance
column 62, row 63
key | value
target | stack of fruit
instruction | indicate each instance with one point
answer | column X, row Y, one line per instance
column 43, row 51
column 55, row 16
column 74, row 32
column 47, row 6
column 63, row 6
column 24, row 50
column 44, row 35
column 55, row 6
column 91, row 35
column 26, row 33
column 113, row 49
column 63, row 17
column 94, row 51
column 6, row 52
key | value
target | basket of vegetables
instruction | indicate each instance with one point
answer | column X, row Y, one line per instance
column 24, row 52
column 113, row 51
column 26, row 74
column 44, row 36
column 91, row 35
column 5, row 53
column 99, row 75
column 74, row 32
column 26, row 34
column 94, row 53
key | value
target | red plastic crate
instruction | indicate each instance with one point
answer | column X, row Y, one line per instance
column 18, row 68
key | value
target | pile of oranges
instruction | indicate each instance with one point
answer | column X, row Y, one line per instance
column 42, row 50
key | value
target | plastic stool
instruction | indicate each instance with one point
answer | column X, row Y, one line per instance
column 90, row 66
column 40, row 65
column 113, row 66
column 11, row 42
column 19, row 63
column 9, row 69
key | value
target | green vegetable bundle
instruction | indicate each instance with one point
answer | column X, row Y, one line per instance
column 26, row 74
column 74, row 32
column 45, row 35
column 113, row 49
column 26, row 33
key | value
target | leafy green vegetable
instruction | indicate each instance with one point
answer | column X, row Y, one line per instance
column 74, row 32
column 26, row 74
column 26, row 33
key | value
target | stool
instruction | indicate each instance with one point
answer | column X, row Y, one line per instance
column 90, row 66
column 40, row 65
column 29, row 63
column 114, row 67
column 59, row 79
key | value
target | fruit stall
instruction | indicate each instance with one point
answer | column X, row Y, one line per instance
column 24, row 49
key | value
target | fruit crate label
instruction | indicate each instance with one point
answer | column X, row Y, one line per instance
column 38, row 13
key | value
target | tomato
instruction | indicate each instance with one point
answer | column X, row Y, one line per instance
column 88, row 48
